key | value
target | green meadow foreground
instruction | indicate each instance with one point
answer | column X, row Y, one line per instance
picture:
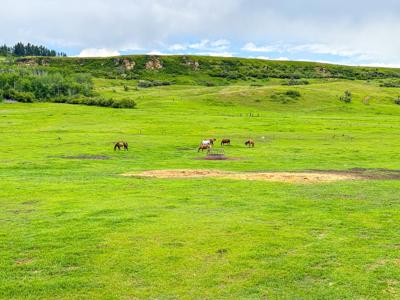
column 71, row 227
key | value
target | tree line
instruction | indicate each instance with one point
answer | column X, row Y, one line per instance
column 32, row 85
column 21, row 49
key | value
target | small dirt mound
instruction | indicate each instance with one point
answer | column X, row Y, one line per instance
column 291, row 177
column 216, row 158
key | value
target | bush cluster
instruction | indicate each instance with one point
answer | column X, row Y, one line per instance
column 97, row 101
column 293, row 93
column 152, row 83
column 347, row 97
column 296, row 82
column 391, row 84
column 43, row 85
column 26, row 97
column 286, row 97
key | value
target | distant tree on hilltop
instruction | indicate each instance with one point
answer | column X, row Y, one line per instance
column 21, row 49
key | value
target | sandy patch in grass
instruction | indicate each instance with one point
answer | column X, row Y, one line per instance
column 291, row 177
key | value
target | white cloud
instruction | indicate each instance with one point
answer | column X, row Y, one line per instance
column 324, row 49
column 95, row 52
column 381, row 65
column 363, row 31
column 131, row 47
column 270, row 58
column 177, row 47
column 220, row 54
column 220, row 44
column 263, row 57
column 309, row 48
column 156, row 52
column 217, row 45
column 200, row 45
column 251, row 47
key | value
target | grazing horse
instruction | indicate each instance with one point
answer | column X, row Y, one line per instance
column 208, row 142
column 225, row 142
column 203, row 147
column 121, row 144
column 249, row 143
column 211, row 141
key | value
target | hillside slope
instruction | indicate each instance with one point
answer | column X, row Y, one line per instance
column 201, row 69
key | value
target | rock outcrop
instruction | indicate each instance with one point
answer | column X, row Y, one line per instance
column 192, row 64
column 128, row 64
column 154, row 64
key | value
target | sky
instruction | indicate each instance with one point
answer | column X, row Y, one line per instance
column 354, row 32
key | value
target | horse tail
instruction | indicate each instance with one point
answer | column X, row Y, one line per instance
column 126, row 145
column 115, row 147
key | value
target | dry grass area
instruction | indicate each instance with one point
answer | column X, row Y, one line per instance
column 290, row 177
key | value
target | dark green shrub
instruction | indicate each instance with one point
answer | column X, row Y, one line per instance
column 124, row 103
column 25, row 97
column 209, row 84
column 292, row 82
column 95, row 101
column 293, row 93
column 290, row 96
column 347, row 97
column 148, row 83
column 144, row 84
column 391, row 84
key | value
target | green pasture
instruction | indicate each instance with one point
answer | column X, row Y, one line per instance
column 73, row 228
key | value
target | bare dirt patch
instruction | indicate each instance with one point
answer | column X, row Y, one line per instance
column 23, row 261
column 290, row 177
column 371, row 174
column 222, row 157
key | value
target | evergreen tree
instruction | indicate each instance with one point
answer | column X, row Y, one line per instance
column 29, row 49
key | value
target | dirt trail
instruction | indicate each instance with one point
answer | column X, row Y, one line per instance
column 291, row 177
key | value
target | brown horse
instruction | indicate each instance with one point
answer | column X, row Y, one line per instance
column 225, row 142
column 121, row 144
column 249, row 143
column 203, row 147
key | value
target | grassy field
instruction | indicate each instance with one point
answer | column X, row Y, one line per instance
column 73, row 228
